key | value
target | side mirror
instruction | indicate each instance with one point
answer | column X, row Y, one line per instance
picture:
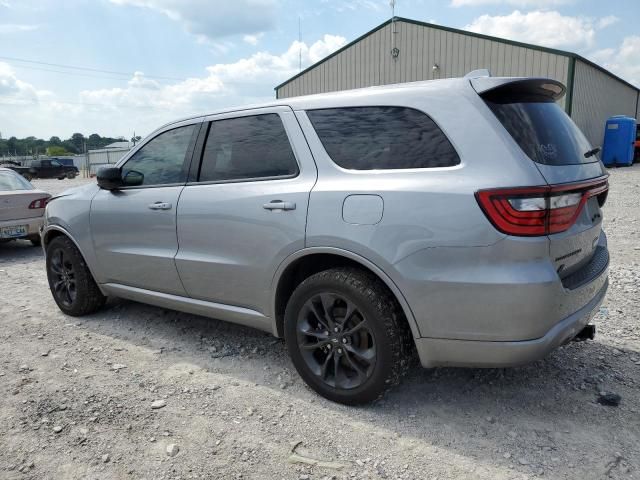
column 109, row 178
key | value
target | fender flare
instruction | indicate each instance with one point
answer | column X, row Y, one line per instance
column 66, row 233
column 351, row 256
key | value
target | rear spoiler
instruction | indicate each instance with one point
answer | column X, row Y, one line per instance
column 509, row 88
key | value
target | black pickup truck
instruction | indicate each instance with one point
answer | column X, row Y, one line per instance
column 44, row 169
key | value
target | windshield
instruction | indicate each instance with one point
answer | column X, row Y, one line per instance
column 10, row 181
column 544, row 131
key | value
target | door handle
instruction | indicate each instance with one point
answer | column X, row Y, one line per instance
column 279, row 205
column 160, row 206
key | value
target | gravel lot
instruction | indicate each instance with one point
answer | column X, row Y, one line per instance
column 77, row 395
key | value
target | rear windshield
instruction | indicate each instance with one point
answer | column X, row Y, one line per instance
column 382, row 138
column 10, row 181
column 544, row 131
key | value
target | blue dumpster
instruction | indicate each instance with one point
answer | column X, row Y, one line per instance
column 619, row 139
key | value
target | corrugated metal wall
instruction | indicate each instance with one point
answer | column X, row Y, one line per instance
column 369, row 61
column 596, row 97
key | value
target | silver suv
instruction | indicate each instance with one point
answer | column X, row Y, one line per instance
column 460, row 218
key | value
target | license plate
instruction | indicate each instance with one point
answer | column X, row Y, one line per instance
column 14, row 231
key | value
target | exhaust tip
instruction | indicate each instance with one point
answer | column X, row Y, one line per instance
column 587, row 333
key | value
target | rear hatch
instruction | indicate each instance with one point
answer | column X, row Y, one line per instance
column 577, row 186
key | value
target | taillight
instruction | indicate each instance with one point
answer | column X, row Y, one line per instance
column 533, row 211
column 39, row 203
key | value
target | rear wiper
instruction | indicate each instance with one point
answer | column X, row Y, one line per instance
column 591, row 153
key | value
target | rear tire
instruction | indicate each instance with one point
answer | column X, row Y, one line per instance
column 71, row 283
column 35, row 240
column 347, row 336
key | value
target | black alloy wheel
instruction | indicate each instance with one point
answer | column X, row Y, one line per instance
column 64, row 278
column 70, row 281
column 347, row 335
column 335, row 341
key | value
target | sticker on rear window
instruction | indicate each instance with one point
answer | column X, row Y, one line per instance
column 548, row 151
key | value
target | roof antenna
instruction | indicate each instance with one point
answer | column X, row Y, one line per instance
column 394, row 50
column 299, row 43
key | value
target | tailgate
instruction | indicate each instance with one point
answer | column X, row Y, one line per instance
column 572, row 249
column 528, row 109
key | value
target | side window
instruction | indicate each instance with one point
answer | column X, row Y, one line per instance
column 381, row 138
column 44, row 163
column 243, row 148
column 162, row 160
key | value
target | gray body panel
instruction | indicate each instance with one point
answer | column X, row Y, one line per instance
column 230, row 245
column 135, row 245
column 459, row 281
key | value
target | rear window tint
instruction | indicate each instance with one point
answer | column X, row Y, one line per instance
column 247, row 148
column 543, row 130
column 382, row 138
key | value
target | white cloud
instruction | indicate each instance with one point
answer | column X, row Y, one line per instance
column 607, row 21
column 624, row 61
column 144, row 104
column 16, row 91
column 214, row 19
column 513, row 3
column 238, row 79
column 252, row 39
column 14, row 28
column 548, row 28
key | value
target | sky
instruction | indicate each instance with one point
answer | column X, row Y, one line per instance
column 141, row 63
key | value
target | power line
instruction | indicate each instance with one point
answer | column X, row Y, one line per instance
column 74, row 74
column 86, row 104
column 162, row 79
column 87, row 69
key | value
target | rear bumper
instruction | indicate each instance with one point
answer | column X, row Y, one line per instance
column 33, row 224
column 465, row 353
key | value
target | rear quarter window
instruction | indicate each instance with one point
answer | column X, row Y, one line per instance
column 382, row 138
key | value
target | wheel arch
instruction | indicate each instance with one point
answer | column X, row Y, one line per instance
column 53, row 231
column 308, row 261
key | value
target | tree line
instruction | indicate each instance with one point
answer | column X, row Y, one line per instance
column 32, row 146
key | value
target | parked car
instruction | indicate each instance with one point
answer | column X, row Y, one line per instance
column 443, row 216
column 21, row 208
column 46, row 169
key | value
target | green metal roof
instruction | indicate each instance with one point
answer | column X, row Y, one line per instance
column 461, row 32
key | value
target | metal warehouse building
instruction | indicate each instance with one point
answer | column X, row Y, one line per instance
column 403, row 50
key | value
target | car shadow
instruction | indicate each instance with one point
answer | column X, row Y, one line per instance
column 19, row 251
column 541, row 411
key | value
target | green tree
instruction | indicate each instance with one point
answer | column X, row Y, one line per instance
column 94, row 141
column 56, row 150
column 12, row 145
column 69, row 146
column 55, row 141
column 78, row 141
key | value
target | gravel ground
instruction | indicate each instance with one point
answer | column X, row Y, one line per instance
column 140, row 392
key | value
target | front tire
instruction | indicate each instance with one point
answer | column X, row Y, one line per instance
column 71, row 283
column 346, row 335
